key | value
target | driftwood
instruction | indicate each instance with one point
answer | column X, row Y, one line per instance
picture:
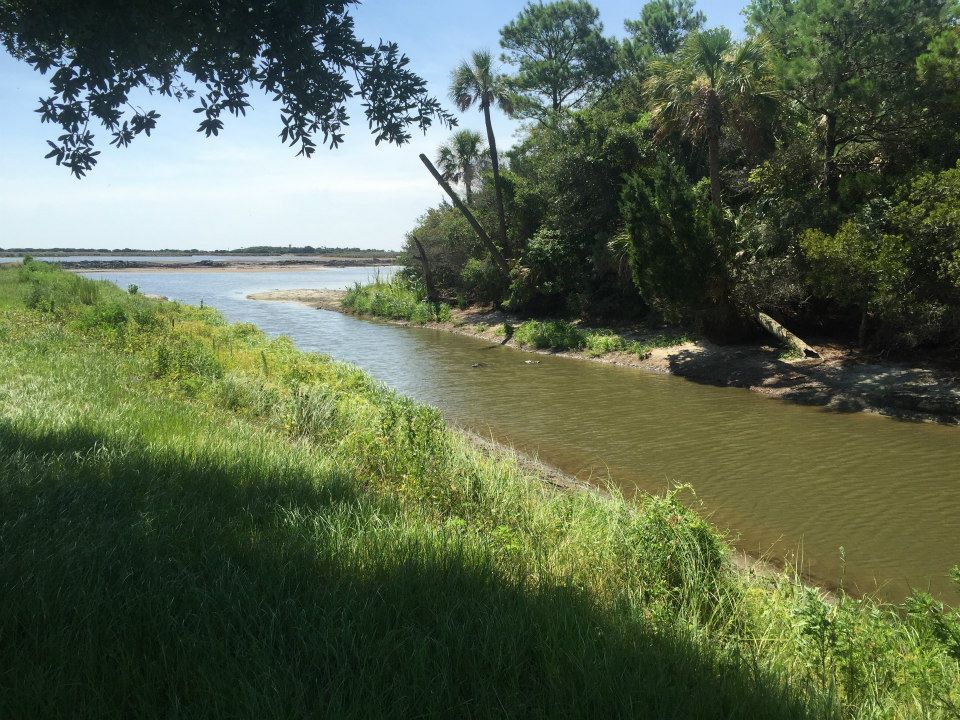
column 427, row 275
column 779, row 331
column 495, row 253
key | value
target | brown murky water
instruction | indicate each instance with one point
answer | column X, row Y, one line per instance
column 789, row 481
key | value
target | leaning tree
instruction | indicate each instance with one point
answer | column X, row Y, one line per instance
column 104, row 57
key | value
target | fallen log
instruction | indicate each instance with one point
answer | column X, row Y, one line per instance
column 784, row 335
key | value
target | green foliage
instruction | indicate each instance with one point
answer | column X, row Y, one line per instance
column 310, row 515
column 573, row 169
column 550, row 334
column 680, row 249
column 462, row 160
column 663, row 25
column 853, row 67
column 398, row 299
column 561, row 55
column 305, row 55
column 481, row 279
column 897, row 263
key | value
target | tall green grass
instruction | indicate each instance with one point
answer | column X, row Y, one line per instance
column 564, row 335
column 396, row 299
column 199, row 521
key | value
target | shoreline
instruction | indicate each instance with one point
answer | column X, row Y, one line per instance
column 108, row 266
column 841, row 381
column 744, row 561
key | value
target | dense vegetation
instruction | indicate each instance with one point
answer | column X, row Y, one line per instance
column 808, row 170
column 199, row 520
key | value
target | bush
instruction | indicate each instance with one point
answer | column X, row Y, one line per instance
column 399, row 299
column 552, row 334
column 680, row 247
column 601, row 343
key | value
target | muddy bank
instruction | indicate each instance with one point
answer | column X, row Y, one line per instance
column 841, row 380
column 224, row 265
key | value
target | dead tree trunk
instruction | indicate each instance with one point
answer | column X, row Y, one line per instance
column 481, row 233
column 779, row 331
column 427, row 275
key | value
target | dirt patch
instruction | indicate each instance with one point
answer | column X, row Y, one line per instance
column 842, row 379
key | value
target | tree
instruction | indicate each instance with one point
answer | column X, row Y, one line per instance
column 852, row 65
column 477, row 82
column 303, row 53
column 708, row 84
column 680, row 249
column 461, row 160
column 664, row 24
column 561, row 54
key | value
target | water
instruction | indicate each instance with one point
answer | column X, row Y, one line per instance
column 169, row 259
column 789, row 481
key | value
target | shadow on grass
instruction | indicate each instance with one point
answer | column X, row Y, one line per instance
column 139, row 582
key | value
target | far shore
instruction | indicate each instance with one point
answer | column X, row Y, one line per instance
column 112, row 266
column 841, row 380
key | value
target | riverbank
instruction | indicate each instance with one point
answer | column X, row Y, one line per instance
column 202, row 512
column 841, row 380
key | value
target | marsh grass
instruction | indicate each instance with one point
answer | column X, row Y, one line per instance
column 396, row 299
column 285, row 537
column 563, row 335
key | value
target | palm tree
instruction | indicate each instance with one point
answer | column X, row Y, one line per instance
column 709, row 83
column 476, row 82
column 462, row 158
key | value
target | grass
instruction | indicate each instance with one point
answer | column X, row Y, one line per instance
column 563, row 335
column 396, row 299
column 199, row 521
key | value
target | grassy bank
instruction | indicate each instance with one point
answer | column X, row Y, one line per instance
column 200, row 521
column 564, row 335
column 395, row 299
column 400, row 299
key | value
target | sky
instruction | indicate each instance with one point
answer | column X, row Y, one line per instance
column 178, row 189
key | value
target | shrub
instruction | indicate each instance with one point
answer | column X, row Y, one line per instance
column 552, row 334
column 601, row 343
column 399, row 299
column 680, row 251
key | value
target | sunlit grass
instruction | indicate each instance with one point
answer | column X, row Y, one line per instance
column 396, row 299
column 199, row 520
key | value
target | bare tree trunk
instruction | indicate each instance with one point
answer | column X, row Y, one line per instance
column 477, row 227
column 831, row 178
column 427, row 275
column 779, row 331
column 498, row 190
column 714, row 123
column 864, row 324
column 713, row 149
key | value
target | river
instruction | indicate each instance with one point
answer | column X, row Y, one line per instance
column 869, row 499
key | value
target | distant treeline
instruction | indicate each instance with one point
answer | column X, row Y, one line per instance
column 256, row 250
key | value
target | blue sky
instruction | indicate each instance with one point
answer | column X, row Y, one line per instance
column 180, row 190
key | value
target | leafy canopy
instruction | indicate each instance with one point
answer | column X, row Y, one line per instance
column 561, row 54
column 462, row 159
column 303, row 53
column 477, row 81
column 663, row 25
column 854, row 62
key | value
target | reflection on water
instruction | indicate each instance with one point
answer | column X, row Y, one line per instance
column 788, row 479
